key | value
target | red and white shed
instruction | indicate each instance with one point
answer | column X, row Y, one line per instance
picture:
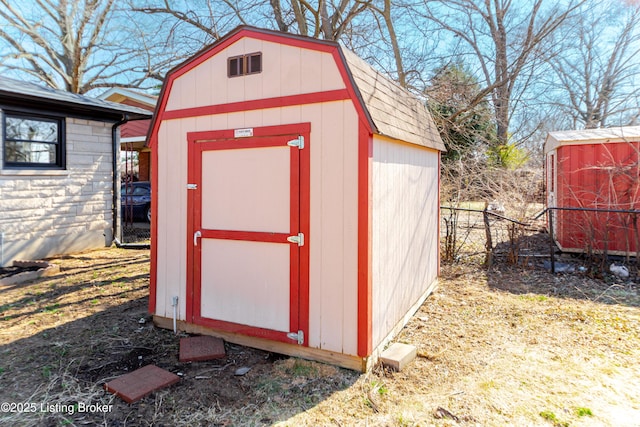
column 295, row 199
column 597, row 170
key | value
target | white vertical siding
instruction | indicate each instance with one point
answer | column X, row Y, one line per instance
column 259, row 292
column 172, row 216
column 333, row 216
column 286, row 70
column 404, row 228
column 333, row 236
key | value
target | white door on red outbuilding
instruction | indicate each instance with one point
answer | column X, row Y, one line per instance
column 247, row 235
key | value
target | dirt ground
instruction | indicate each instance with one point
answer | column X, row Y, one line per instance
column 505, row 347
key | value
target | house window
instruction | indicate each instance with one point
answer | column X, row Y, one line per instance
column 33, row 141
column 245, row 64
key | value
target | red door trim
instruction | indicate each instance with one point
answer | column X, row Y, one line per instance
column 237, row 328
column 236, row 143
column 300, row 187
column 294, row 212
column 263, row 131
column 304, row 205
column 251, row 236
column 194, row 207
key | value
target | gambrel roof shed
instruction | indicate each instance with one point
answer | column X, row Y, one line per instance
column 389, row 109
column 296, row 198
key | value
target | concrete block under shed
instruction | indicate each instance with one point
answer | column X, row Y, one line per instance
column 398, row 355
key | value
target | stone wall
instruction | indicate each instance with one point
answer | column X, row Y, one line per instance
column 51, row 212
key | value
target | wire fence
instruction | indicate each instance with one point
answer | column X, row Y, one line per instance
column 595, row 240
column 136, row 232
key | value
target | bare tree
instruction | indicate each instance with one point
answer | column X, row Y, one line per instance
column 321, row 19
column 75, row 45
column 389, row 24
column 189, row 26
column 329, row 20
column 504, row 40
column 186, row 27
column 596, row 75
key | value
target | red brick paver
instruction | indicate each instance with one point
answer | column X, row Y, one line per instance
column 135, row 385
column 201, row 348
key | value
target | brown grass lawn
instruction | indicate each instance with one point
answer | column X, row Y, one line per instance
column 506, row 347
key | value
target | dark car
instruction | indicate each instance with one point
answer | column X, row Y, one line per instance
column 136, row 201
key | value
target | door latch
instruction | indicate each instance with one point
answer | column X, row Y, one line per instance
column 196, row 235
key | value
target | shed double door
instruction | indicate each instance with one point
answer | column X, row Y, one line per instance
column 248, row 227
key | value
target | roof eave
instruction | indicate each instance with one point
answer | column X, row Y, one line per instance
column 70, row 108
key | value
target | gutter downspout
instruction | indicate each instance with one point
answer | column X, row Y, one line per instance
column 115, row 185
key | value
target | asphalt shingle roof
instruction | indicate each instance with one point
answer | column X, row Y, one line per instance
column 396, row 112
column 14, row 92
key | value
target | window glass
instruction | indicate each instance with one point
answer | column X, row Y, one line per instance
column 30, row 152
column 21, row 128
column 32, row 141
column 255, row 63
column 236, row 66
column 244, row 64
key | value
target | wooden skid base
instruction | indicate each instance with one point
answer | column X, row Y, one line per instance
column 595, row 251
column 346, row 361
column 361, row 364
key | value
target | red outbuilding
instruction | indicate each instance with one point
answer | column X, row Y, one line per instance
column 593, row 177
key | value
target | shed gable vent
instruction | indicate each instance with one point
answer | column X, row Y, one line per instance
column 244, row 64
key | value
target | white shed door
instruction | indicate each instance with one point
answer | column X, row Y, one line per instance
column 246, row 225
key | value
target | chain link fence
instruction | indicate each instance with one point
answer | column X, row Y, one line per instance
column 487, row 236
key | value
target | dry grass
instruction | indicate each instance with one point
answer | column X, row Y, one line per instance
column 508, row 347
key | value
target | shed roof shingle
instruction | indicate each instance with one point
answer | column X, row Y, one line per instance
column 391, row 110
column 394, row 111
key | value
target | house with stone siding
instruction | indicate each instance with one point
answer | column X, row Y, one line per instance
column 59, row 180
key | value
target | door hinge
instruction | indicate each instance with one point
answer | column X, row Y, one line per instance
column 299, row 239
column 192, row 186
column 298, row 142
column 296, row 336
